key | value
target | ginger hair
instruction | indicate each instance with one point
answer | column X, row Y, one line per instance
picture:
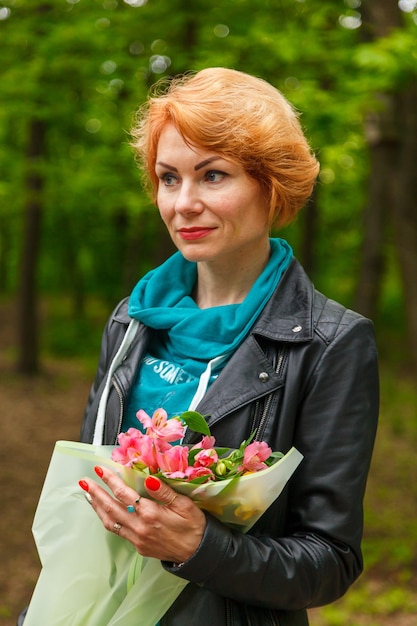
column 243, row 119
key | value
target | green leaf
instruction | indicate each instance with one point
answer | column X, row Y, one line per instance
column 222, row 452
column 245, row 443
column 275, row 456
column 196, row 422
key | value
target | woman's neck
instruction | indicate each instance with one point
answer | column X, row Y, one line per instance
column 227, row 283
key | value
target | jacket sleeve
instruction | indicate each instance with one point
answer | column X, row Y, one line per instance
column 318, row 556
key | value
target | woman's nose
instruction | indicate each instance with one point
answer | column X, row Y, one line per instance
column 188, row 199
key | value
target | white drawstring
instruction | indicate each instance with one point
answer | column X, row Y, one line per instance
column 101, row 413
column 122, row 351
column 204, row 381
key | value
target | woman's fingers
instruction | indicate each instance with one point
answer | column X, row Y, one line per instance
column 160, row 491
column 125, row 499
column 122, row 492
column 166, row 526
column 156, row 488
column 114, row 512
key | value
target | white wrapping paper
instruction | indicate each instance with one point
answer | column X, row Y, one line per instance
column 95, row 578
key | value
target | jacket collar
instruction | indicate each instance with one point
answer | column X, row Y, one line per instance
column 250, row 373
column 288, row 316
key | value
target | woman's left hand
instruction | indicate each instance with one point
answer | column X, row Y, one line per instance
column 168, row 527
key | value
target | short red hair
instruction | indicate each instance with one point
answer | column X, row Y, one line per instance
column 243, row 119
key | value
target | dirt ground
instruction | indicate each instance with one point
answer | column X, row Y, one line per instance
column 34, row 414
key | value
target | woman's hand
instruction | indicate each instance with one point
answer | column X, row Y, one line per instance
column 168, row 527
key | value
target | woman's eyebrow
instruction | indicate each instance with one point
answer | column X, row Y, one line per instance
column 168, row 167
column 196, row 167
column 206, row 162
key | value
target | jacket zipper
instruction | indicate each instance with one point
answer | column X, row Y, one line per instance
column 229, row 620
column 248, row 619
column 249, row 622
column 121, row 405
column 282, row 355
column 279, row 367
column 228, row 612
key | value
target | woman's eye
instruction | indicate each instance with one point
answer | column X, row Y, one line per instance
column 168, row 179
column 214, row 176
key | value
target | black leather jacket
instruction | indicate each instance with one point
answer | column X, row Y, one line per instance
column 306, row 376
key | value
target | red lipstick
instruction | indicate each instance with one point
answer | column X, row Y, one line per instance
column 196, row 232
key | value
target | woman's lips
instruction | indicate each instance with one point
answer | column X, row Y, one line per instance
column 196, row 232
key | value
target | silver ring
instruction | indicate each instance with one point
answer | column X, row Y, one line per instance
column 88, row 498
column 116, row 528
column 131, row 508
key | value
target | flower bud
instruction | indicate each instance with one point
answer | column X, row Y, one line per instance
column 221, row 468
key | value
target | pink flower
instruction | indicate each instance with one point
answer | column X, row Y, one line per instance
column 205, row 443
column 129, row 439
column 160, row 427
column 206, row 458
column 130, row 444
column 173, row 461
column 197, row 472
column 254, row 456
column 139, row 450
column 148, row 455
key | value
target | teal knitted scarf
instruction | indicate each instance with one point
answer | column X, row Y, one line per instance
column 162, row 300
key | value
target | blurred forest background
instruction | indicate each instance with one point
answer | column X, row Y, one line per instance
column 77, row 230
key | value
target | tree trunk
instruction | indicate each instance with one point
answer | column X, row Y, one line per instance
column 310, row 226
column 5, row 239
column 27, row 315
column 379, row 18
column 405, row 212
column 381, row 135
column 393, row 183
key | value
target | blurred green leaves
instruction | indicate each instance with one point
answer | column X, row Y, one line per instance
column 85, row 66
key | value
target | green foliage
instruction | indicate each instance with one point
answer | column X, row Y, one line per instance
column 84, row 67
column 68, row 333
column 196, row 422
column 390, row 61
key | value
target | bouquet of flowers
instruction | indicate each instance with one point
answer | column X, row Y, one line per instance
column 154, row 452
column 185, row 468
column 90, row 576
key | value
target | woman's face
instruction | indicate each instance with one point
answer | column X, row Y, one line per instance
column 213, row 210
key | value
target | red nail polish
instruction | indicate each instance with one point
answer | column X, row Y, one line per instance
column 98, row 470
column 152, row 483
column 83, row 484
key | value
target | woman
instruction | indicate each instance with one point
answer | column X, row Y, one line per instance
column 232, row 326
